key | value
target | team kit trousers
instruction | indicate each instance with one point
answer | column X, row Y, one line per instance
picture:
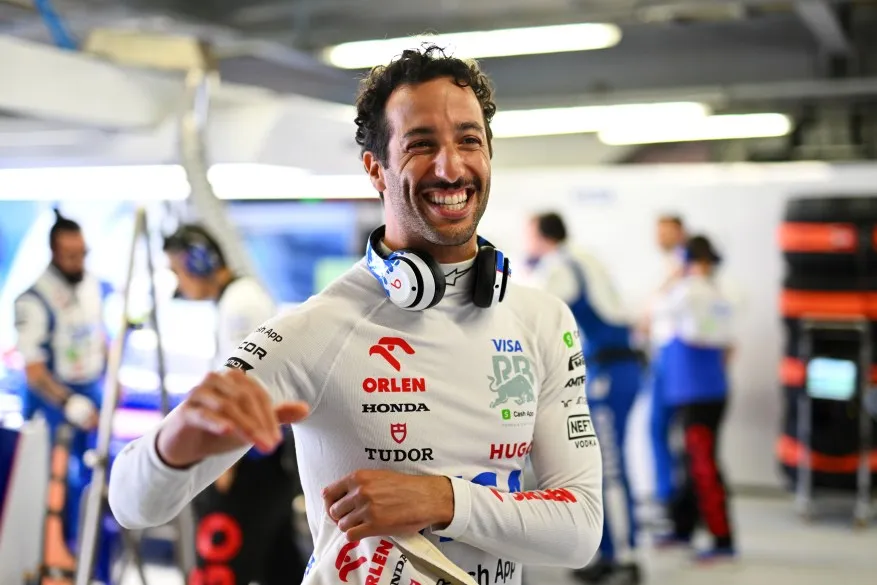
column 660, row 421
column 611, row 390
column 246, row 534
column 78, row 473
column 702, row 494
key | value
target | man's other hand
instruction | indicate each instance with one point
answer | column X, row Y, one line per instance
column 385, row 503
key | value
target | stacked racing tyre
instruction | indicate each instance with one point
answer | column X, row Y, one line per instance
column 829, row 246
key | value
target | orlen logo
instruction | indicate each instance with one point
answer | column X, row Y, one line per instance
column 510, row 450
column 385, row 348
column 345, row 563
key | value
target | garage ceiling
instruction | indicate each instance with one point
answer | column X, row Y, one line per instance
column 753, row 55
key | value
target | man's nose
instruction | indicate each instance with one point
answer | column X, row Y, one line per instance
column 449, row 165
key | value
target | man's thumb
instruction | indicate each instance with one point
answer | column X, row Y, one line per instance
column 291, row 412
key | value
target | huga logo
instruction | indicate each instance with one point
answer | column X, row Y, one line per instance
column 512, row 379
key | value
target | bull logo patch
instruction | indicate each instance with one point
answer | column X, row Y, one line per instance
column 512, row 379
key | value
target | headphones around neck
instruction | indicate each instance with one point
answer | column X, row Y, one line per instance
column 202, row 253
column 414, row 281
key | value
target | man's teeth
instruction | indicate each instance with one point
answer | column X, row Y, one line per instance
column 454, row 202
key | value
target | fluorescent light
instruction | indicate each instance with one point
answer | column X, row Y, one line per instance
column 230, row 181
column 552, row 121
column 307, row 186
column 726, row 127
column 147, row 183
column 481, row 44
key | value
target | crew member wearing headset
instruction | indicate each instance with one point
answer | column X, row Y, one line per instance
column 614, row 380
column 62, row 338
column 658, row 329
column 251, row 503
column 695, row 365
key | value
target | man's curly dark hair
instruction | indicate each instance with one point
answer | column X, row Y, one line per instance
column 412, row 67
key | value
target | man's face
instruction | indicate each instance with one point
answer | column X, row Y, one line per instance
column 437, row 179
column 68, row 254
column 670, row 235
column 191, row 287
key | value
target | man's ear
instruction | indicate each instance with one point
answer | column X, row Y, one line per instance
column 375, row 171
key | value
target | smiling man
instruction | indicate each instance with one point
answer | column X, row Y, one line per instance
column 418, row 382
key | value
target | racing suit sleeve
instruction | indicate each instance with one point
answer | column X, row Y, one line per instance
column 561, row 523
column 145, row 492
column 32, row 326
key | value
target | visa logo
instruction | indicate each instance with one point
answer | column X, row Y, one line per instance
column 507, row 345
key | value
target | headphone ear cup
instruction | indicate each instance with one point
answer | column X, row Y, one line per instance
column 438, row 277
column 485, row 277
column 506, row 274
column 200, row 261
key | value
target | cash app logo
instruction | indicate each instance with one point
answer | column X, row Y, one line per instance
column 567, row 339
column 506, row 414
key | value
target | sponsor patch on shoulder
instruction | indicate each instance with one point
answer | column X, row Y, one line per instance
column 238, row 363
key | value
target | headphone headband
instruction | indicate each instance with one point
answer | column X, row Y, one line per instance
column 414, row 281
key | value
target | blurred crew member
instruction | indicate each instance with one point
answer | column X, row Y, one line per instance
column 671, row 241
column 613, row 381
column 62, row 339
column 254, row 497
column 695, row 363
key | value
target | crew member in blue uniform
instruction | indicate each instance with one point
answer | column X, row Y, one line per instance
column 695, row 365
column 614, row 378
column 62, row 338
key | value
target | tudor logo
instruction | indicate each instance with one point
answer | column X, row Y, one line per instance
column 399, row 431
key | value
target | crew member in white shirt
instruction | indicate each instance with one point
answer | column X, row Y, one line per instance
column 417, row 383
column 62, row 338
column 671, row 241
column 250, row 504
column 695, row 365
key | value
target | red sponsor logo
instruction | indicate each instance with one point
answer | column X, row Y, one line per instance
column 217, row 542
column 385, row 347
column 394, row 385
column 399, row 431
column 345, row 562
column 551, row 495
column 510, row 450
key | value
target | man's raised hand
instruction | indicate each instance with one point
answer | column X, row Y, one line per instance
column 225, row 412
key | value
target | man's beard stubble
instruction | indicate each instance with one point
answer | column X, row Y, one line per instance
column 413, row 218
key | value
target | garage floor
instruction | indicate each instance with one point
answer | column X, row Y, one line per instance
column 777, row 548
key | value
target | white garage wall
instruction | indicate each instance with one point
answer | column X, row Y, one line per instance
column 613, row 211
